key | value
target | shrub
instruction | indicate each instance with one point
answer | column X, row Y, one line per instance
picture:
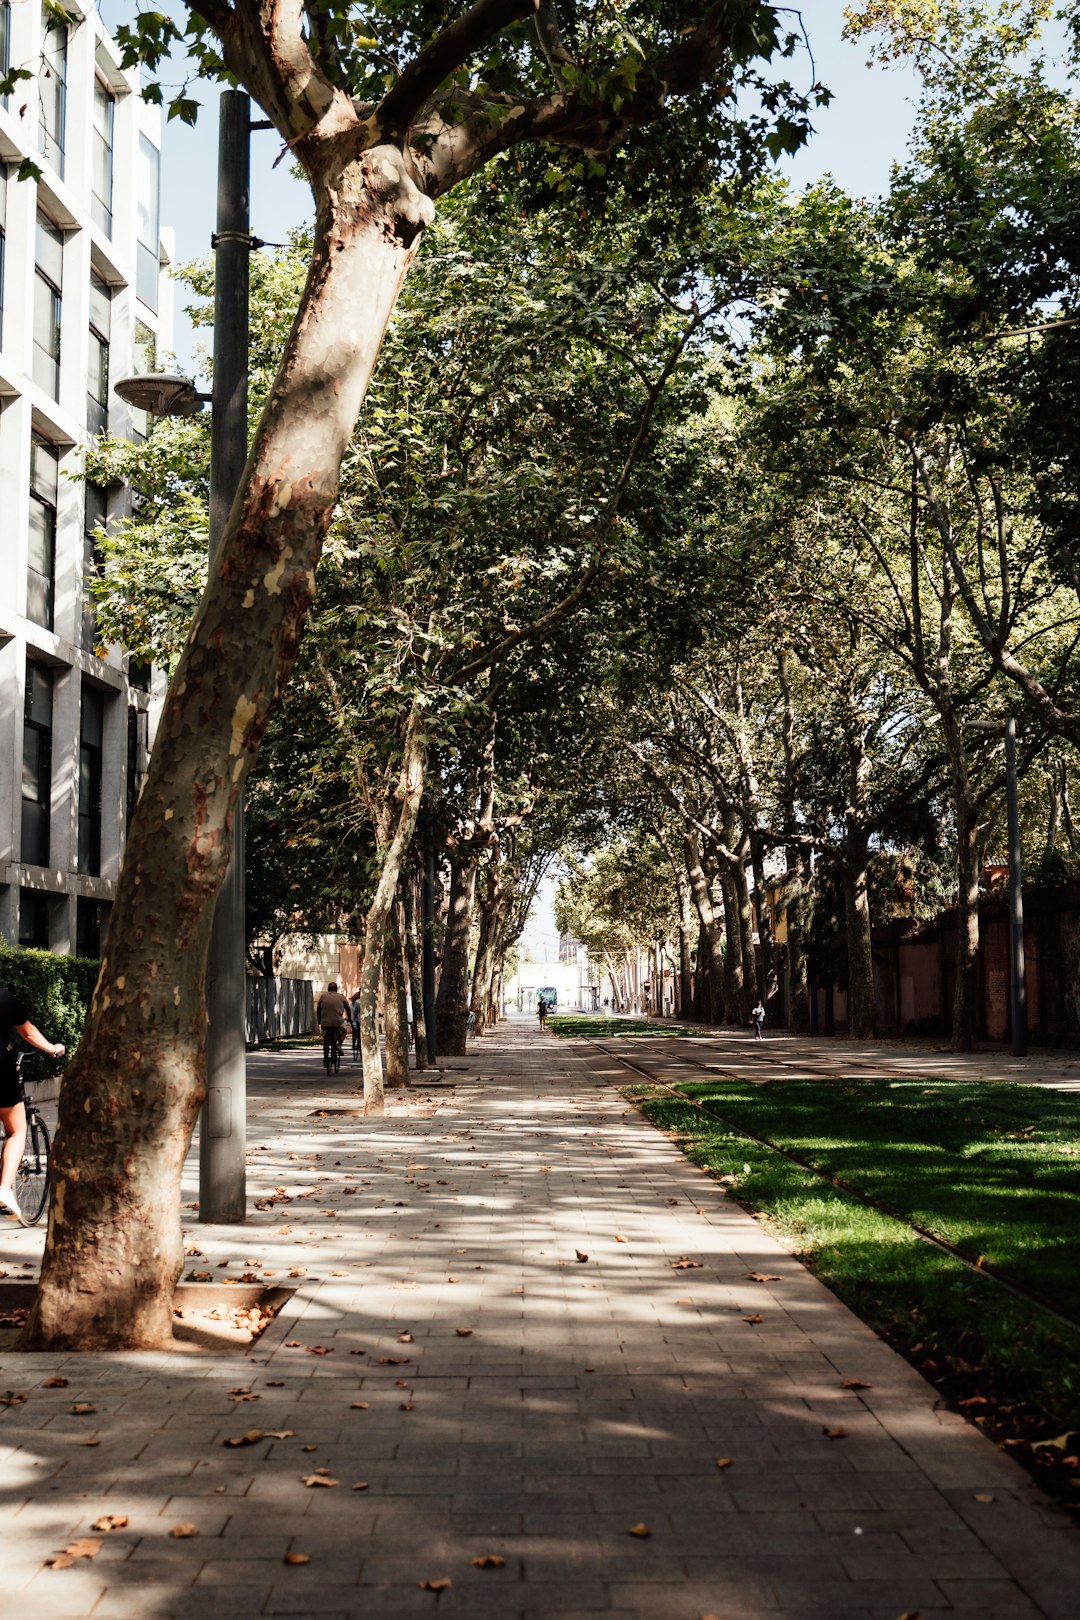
column 56, row 992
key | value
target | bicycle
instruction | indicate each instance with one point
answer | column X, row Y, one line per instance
column 332, row 1042
column 32, row 1176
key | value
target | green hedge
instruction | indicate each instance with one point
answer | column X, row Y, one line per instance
column 56, row 992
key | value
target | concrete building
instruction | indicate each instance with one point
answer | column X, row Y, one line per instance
column 83, row 296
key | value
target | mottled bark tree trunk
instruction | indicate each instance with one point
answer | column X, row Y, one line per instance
column 860, row 955
column 133, row 1092
column 484, row 967
column 798, row 964
column 768, row 980
column 395, row 1015
column 714, row 963
column 966, row 998
column 734, row 977
column 414, row 964
column 686, row 957
column 452, row 1005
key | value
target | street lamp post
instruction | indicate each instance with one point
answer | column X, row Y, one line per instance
column 223, row 1131
column 1016, row 899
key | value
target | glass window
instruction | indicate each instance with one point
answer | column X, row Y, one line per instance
column 48, row 284
column 41, row 551
column 52, row 84
column 97, row 376
column 3, row 233
column 149, row 232
column 102, row 157
column 144, row 361
column 91, row 741
column 137, row 735
column 5, row 42
column 37, row 765
column 89, row 920
column 33, row 920
column 95, row 517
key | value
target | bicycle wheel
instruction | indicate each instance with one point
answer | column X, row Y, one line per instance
column 336, row 1059
column 32, row 1180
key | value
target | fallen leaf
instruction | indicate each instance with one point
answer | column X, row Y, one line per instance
column 1059, row 1444
column 756, row 1317
column 311, row 1480
column 463, row 1333
column 275, row 1383
column 360, row 1406
column 81, row 1409
column 320, row 1350
column 55, row 1383
column 405, row 1338
column 684, row 1264
column 622, row 1240
column 439, row 1585
column 973, row 1400
column 279, row 1434
column 250, row 1437
column 296, row 1558
column 640, row 1530
column 242, row 1395
column 9, row 1398
column 724, row 1462
column 581, row 1258
column 489, row 1561
column 834, row 1434
column 90, row 1442
column 984, row 1496
column 84, row 1547
column 111, row 1521
column 292, row 1344
column 394, row 1361
column 856, row 1383
column 361, row 1485
column 184, row 1532
column 763, row 1276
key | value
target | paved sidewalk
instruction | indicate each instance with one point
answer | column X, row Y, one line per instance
column 521, row 1327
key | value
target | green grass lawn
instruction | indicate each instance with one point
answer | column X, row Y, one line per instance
column 572, row 1028
column 994, row 1169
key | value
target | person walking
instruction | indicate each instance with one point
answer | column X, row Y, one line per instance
column 757, row 1018
column 354, row 1018
column 541, row 1010
column 15, row 1020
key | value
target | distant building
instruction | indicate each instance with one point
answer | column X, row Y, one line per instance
column 82, row 297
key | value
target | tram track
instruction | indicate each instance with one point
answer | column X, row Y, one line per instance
column 975, row 1264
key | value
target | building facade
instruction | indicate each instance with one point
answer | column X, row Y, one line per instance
column 84, row 295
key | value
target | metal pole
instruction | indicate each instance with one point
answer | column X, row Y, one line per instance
column 1016, row 899
column 223, row 1132
column 427, row 969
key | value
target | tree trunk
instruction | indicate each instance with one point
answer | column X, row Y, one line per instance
column 413, row 963
column 408, row 792
column 736, row 1010
column 484, row 968
column 860, row 955
column 132, row 1093
column 686, row 958
column 395, row 1016
column 768, row 981
column 453, row 999
column 798, row 964
column 714, row 964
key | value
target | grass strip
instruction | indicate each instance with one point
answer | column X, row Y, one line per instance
column 1007, row 1364
column 599, row 1029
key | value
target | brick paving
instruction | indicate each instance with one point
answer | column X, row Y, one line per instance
column 533, row 1311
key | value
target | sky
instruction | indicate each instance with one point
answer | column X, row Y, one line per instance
column 856, row 139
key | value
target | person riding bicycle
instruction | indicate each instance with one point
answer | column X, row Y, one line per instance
column 15, row 1020
column 333, row 1017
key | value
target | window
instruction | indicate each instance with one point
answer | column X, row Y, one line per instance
column 136, row 753
column 37, row 765
column 33, row 920
column 53, row 91
column 5, row 43
column 41, row 554
column 144, row 361
column 3, row 231
column 48, row 284
column 102, row 157
column 95, row 516
column 89, row 917
column 91, row 743
column 147, row 264
column 97, row 375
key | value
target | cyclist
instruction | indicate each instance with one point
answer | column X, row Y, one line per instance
column 333, row 1018
column 15, row 1020
column 354, row 1014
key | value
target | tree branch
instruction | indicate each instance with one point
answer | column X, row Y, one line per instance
column 446, row 52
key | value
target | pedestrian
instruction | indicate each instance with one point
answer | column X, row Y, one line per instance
column 757, row 1018
column 333, row 1016
column 15, row 1020
column 541, row 1010
column 354, row 1018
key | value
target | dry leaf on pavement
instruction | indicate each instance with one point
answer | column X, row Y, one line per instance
column 489, row 1561
column 55, row 1383
column 81, row 1409
column 311, row 1480
column 438, row 1585
column 250, row 1437
column 581, row 1258
column 110, row 1521
column 763, row 1276
column 640, row 1530
column 361, row 1485
column 834, row 1434
column 463, row 1333
column 84, row 1547
column 296, row 1558
column 756, row 1317
column 360, row 1406
column 984, row 1496
column 278, row 1434
column 724, row 1462
column 685, row 1264
column 184, row 1532
column 858, row 1383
